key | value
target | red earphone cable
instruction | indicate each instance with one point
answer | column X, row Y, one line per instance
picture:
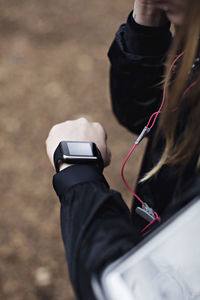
column 155, row 115
column 164, row 94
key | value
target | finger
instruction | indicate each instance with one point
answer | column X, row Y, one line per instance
column 102, row 129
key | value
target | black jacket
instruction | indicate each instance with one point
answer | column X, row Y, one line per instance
column 96, row 224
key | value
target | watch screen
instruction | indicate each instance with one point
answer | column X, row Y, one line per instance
column 80, row 149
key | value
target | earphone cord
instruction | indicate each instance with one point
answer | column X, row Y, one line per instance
column 164, row 95
column 147, row 128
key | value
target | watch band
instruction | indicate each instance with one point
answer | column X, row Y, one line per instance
column 57, row 158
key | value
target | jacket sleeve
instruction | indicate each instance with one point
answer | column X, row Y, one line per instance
column 137, row 57
column 95, row 223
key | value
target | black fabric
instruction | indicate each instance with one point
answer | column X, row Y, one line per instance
column 97, row 226
column 134, row 77
column 74, row 175
column 96, row 230
column 146, row 36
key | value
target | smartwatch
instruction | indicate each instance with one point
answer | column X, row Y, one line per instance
column 78, row 153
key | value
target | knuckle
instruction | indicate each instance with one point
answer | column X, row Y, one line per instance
column 99, row 126
column 55, row 129
column 52, row 130
column 102, row 130
column 83, row 120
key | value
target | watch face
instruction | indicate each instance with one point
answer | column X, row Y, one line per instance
column 80, row 149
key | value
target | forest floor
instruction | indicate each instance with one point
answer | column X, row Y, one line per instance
column 53, row 67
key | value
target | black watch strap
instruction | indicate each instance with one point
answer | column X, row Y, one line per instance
column 100, row 162
column 57, row 158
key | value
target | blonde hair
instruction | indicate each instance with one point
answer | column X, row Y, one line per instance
column 180, row 151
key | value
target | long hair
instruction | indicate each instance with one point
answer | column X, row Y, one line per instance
column 179, row 150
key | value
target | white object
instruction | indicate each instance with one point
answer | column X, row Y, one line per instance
column 166, row 266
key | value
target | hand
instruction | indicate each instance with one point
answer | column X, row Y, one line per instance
column 157, row 12
column 78, row 130
column 176, row 10
column 146, row 12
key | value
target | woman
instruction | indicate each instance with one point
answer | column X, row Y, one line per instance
column 97, row 227
column 172, row 162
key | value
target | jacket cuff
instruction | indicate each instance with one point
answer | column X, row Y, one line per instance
column 76, row 174
column 146, row 40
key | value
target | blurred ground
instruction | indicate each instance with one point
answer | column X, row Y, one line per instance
column 53, row 67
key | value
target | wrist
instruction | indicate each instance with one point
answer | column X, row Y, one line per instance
column 69, row 153
column 64, row 166
column 148, row 15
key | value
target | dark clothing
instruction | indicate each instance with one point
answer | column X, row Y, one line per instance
column 97, row 226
